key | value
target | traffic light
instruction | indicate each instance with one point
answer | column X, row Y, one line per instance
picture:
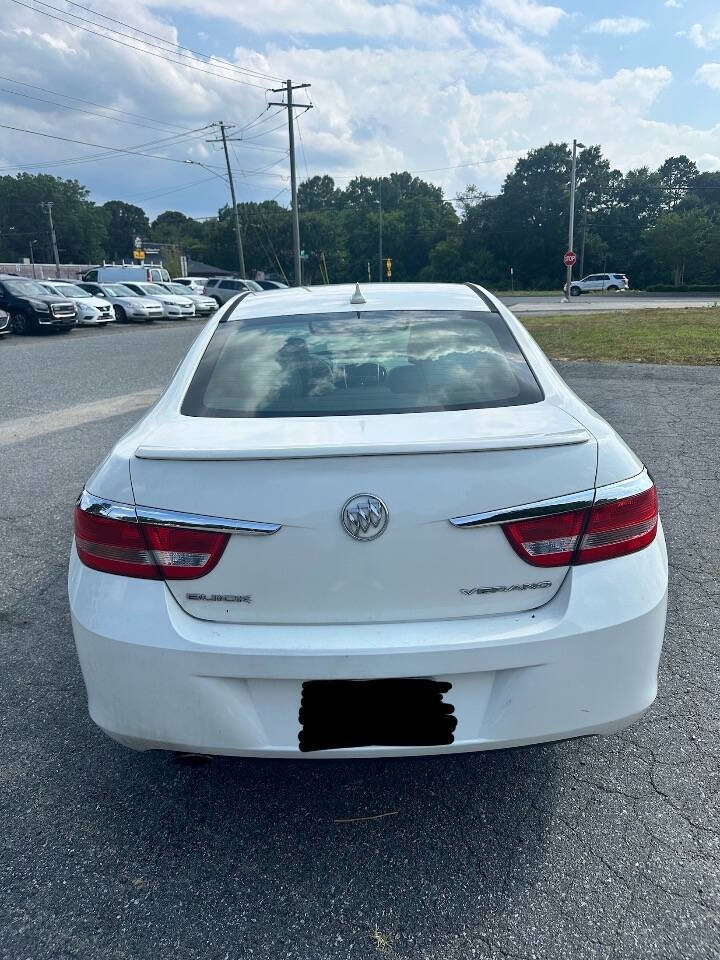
column 388, row 267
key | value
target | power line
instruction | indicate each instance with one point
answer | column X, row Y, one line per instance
column 179, row 46
column 163, row 193
column 89, row 113
column 302, row 148
column 131, row 46
column 287, row 104
column 93, row 103
column 175, row 140
column 456, row 166
column 85, row 143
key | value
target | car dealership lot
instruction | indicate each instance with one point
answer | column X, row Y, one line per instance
column 582, row 849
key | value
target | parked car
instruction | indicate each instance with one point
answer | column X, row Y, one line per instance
column 612, row 282
column 222, row 289
column 272, row 285
column 4, row 322
column 128, row 305
column 204, row 306
column 174, row 306
column 196, row 284
column 91, row 310
column 116, row 272
column 32, row 309
column 367, row 522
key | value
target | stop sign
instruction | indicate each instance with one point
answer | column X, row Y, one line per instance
column 570, row 258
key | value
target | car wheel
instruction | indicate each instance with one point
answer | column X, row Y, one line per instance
column 613, row 289
column 120, row 315
column 575, row 291
column 21, row 324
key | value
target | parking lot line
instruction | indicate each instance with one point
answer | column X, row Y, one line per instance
column 25, row 428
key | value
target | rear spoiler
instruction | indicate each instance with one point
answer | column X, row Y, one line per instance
column 148, row 451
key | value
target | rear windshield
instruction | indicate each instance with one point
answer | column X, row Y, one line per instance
column 404, row 361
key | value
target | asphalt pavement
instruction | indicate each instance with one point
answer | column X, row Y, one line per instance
column 584, row 849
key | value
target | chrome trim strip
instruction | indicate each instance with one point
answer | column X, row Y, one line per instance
column 573, row 501
column 112, row 509
column 173, row 518
column 624, row 488
column 541, row 508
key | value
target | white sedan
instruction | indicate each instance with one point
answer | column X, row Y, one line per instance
column 89, row 309
column 367, row 522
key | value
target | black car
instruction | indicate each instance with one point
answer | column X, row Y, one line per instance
column 272, row 285
column 32, row 309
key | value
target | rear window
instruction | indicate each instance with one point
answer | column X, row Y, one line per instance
column 360, row 363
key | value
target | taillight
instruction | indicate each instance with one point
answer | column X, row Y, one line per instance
column 113, row 546
column 149, row 551
column 619, row 527
column 611, row 528
column 547, row 541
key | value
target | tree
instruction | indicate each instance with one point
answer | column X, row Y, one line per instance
column 317, row 193
column 124, row 222
column 79, row 224
column 676, row 174
column 681, row 245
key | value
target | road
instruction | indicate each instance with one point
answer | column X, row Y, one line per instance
column 592, row 848
column 608, row 303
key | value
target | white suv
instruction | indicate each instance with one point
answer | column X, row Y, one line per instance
column 612, row 282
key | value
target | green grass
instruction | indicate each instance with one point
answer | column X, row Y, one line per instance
column 687, row 335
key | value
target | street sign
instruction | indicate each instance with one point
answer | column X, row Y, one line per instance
column 388, row 266
column 139, row 254
column 570, row 259
column 138, row 243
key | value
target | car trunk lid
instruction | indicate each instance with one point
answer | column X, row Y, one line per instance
column 426, row 468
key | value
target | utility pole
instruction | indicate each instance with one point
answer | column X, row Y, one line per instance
column 582, row 245
column 238, row 234
column 571, row 227
column 288, row 104
column 47, row 206
column 380, row 226
column 32, row 256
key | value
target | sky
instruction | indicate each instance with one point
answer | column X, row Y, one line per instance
column 454, row 92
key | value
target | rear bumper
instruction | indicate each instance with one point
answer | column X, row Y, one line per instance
column 585, row 663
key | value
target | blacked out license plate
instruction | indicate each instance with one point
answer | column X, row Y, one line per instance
column 405, row 712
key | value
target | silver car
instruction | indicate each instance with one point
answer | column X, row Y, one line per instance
column 128, row 305
column 204, row 306
column 90, row 310
column 222, row 289
column 175, row 307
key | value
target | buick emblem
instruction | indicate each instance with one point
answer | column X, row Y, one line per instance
column 364, row 517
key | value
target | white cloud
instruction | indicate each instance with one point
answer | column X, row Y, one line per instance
column 704, row 37
column 536, row 17
column 621, row 26
column 413, row 99
column 675, row 4
column 709, row 74
column 322, row 18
